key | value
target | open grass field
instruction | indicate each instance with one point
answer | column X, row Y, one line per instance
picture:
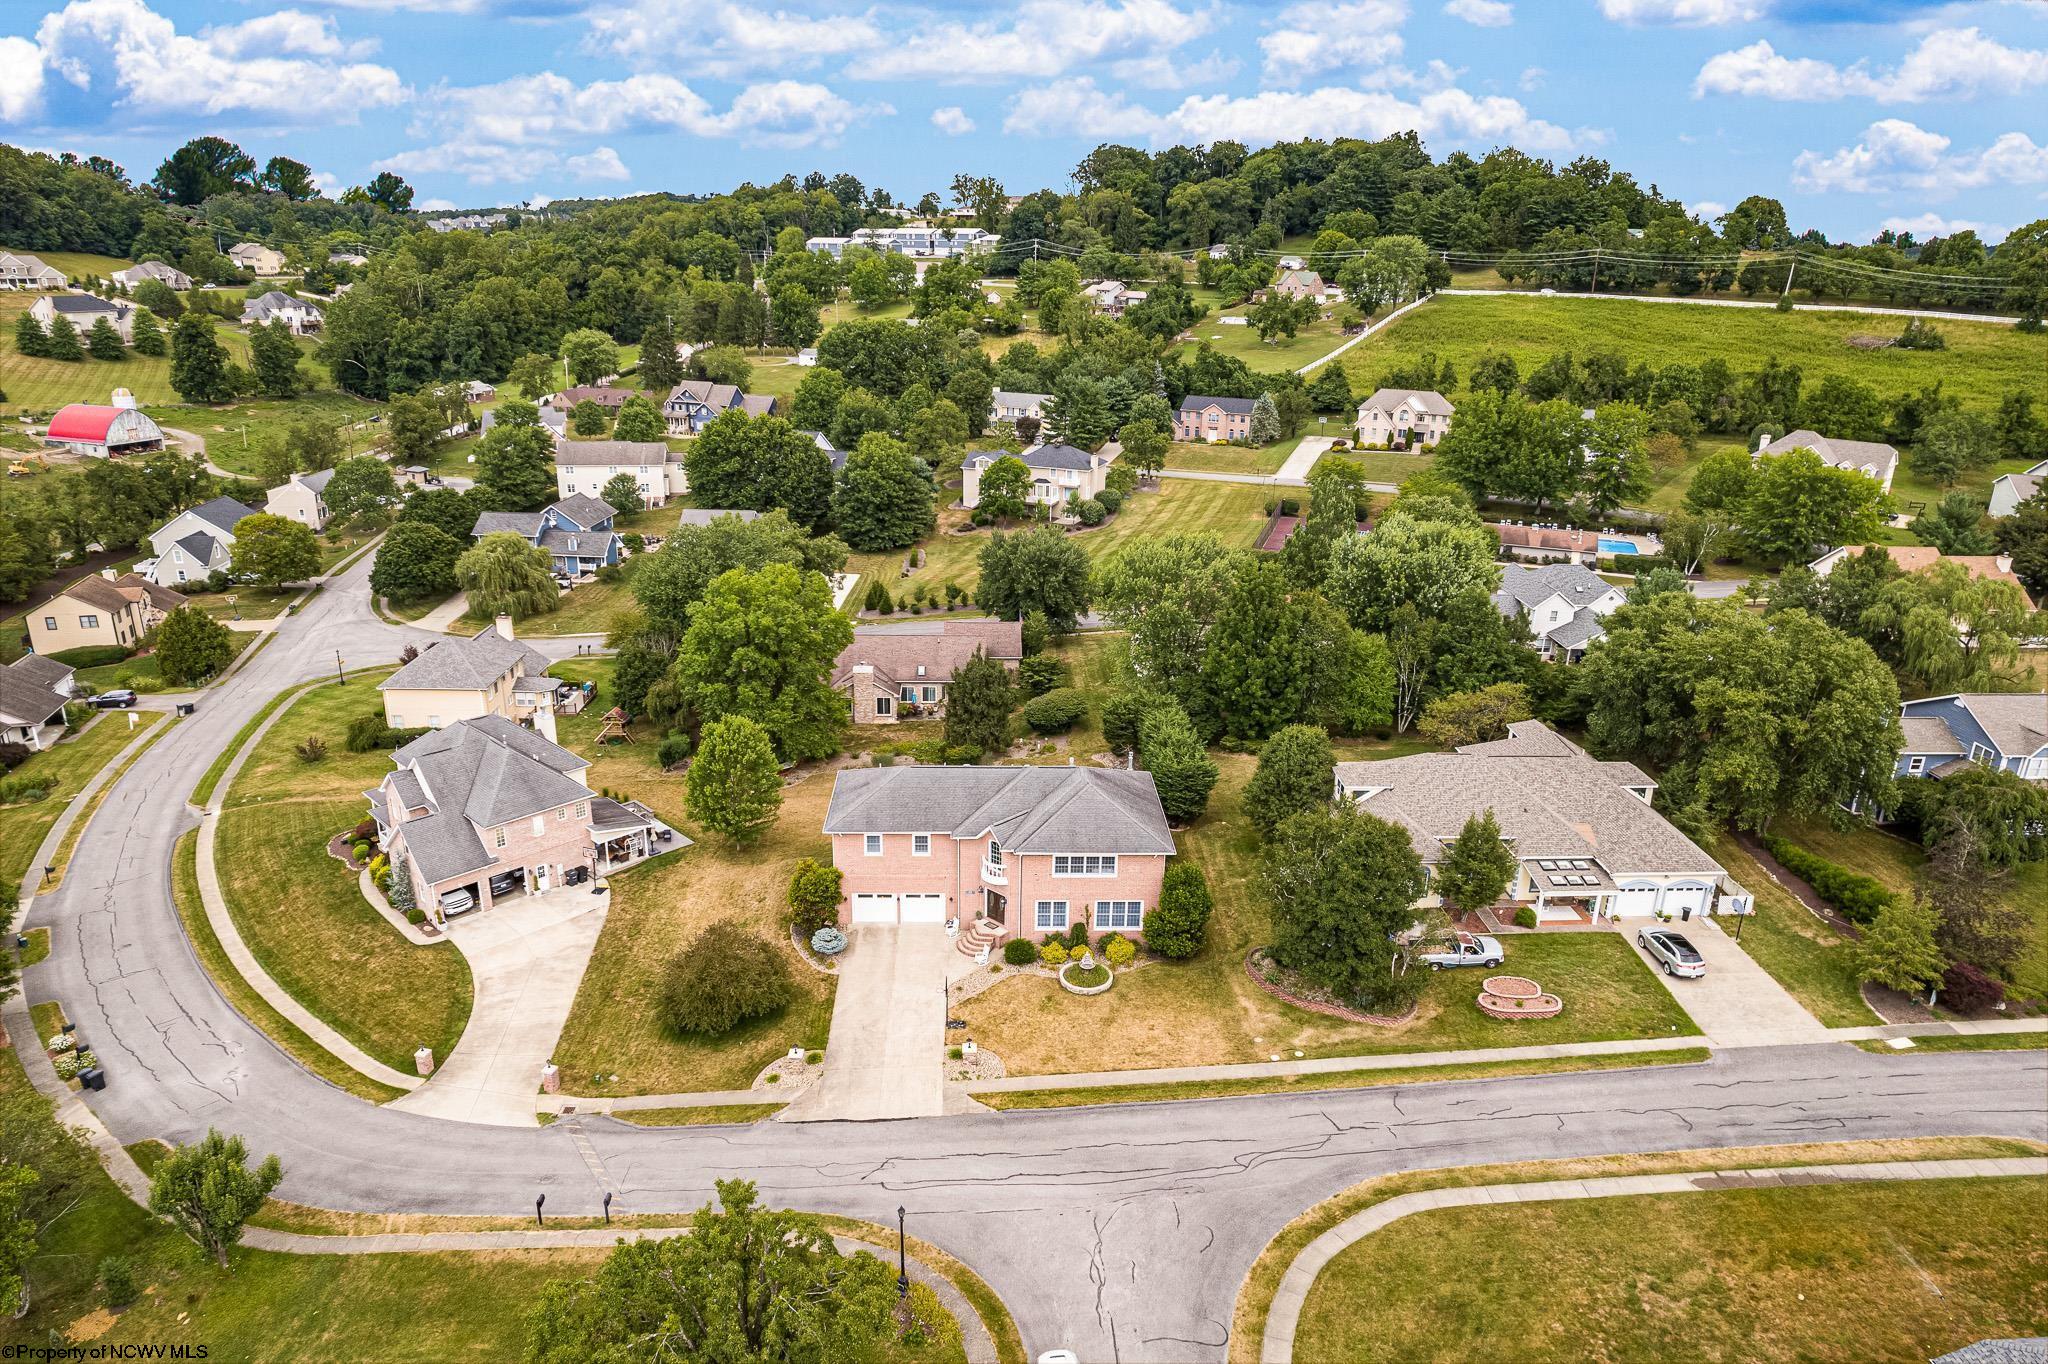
column 301, row 911
column 1255, row 1296
column 77, row 264
column 1235, row 513
column 1835, row 1272
column 237, row 433
column 590, row 608
column 1983, row 362
column 42, row 386
column 656, row 909
column 72, row 762
column 1218, row 458
column 1207, row 1011
column 1312, row 342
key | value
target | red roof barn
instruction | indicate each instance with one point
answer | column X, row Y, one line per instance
column 91, row 429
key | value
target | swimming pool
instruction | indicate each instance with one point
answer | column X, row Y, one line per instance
column 1608, row 546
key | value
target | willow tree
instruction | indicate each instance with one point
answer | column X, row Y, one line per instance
column 504, row 575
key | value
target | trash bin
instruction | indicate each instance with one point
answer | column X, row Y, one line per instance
column 186, row 707
column 92, row 1077
column 1685, row 914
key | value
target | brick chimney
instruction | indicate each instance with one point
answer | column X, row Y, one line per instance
column 504, row 624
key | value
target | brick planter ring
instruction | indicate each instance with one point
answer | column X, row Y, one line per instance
column 1538, row 1005
column 1511, row 987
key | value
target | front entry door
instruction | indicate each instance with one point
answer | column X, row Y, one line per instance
column 998, row 905
column 540, row 879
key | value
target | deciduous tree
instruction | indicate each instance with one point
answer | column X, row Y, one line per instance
column 735, row 782
column 504, row 575
column 515, row 459
column 1478, row 867
column 1342, row 883
column 1293, row 776
column 209, row 1190
column 415, row 562
column 199, row 363
column 762, row 645
column 275, row 550
column 1034, row 570
column 885, row 496
column 191, row 646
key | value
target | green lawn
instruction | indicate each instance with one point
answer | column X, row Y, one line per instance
column 300, row 910
column 773, row 374
column 589, row 609
column 42, row 386
column 1807, row 957
column 235, row 434
column 1206, row 1011
column 141, row 671
column 1311, row 343
column 77, row 264
column 1218, row 458
column 1983, row 362
column 72, row 762
column 1838, row 1272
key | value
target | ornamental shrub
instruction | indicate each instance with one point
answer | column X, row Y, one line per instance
column 814, row 896
column 1179, row 924
column 1077, row 938
column 828, row 941
column 1056, row 712
column 311, row 749
column 1019, row 952
column 1119, row 951
column 673, row 748
column 1525, row 917
column 1857, row 896
column 1110, row 500
column 1053, row 953
column 1968, row 990
column 723, row 978
column 91, row 655
column 359, row 851
column 1090, row 511
column 1040, row 673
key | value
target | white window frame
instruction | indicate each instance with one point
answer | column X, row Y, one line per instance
column 1042, row 915
column 920, row 845
column 1084, row 864
column 540, row 826
column 1980, row 752
column 1915, row 766
column 871, row 845
column 885, row 705
column 1119, row 914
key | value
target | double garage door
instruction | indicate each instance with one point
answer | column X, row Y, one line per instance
column 893, row 909
column 1642, row 901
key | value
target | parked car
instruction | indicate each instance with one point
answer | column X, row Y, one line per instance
column 457, row 902
column 122, row 699
column 504, row 883
column 1672, row 950
column 1467, row 949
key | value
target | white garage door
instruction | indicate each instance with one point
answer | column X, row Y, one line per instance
column 1635, row 900
column 874, row 909
column 924, row 909
column 1679, row 899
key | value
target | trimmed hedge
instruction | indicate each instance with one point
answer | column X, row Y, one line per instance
column 91, row 656
column 1857, row 896
column 1020, row 952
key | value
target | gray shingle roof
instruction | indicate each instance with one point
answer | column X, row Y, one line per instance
column 318, row 480
column 460, row 664
column 1528, row 587
column 1057, row 455
column 222, row 511
column 1928, row 734
column 1239, row 407
column 1576, row 633
column 582, row 453
column 580, row 544
column 525, row 525
column 1426, row 400
column 584, row 510
column 198, row 546
column 1551, row 799
column 1841, row 454
column 2016, row 721
column 46, row 672
column 24, row 700
column 1030, row 809
column 478, row 774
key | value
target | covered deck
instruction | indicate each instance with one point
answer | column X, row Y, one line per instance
column 628, row 833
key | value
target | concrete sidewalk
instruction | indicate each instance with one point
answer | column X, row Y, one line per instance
column 1283, row 1317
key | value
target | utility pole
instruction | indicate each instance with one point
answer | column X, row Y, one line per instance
column 1790, row 271
column 1596, row 270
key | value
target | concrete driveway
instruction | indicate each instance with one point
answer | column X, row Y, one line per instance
column 1311, row 449
column 527, row 956
column 888, row 1029
column 1737, row 1003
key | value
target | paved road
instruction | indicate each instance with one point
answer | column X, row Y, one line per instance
column 1121, row 1232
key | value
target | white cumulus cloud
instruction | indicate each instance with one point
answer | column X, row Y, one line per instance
column 1930, row 224
column 952, row 121
column 724, row 38
column 1684, row 13
column 1894, row 154
column 1036, row 40
column 288, row 66
column 1953, row 63
column 1320, row 35
column 1706, row 210
column 1482, row 13
column 599, row 163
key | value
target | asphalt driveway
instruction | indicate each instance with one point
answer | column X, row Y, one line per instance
column 1737, row 1003
column 884, row 1058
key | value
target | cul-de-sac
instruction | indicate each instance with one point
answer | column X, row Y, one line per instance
column 1092, row 682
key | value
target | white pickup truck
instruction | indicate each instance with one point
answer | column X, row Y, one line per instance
column 1467, row 949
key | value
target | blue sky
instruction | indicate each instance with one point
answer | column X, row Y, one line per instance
column 1856, row 115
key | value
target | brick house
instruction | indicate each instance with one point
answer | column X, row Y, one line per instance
column 1009, row 851
column 904, row 671
column 1213, row 419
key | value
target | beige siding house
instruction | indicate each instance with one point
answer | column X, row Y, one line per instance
column 100, row 611
column 1401, row 418
column 302, row 497
column 1059, row 474
column 464, row 679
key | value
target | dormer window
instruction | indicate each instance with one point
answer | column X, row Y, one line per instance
column 920, row 670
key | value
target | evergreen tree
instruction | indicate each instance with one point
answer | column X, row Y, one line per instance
column 209, row 1190
column 1256, row 663
column 1178, row 925
column 63, row 343
column 29, row 337
column 1342, row 884
column 1294, row 775
column 199, row 363
column 1181, row 768
column 103, row 342
column 660, row 370
column 146, row 336
column 735, row 784
column 1330, row 390
column 1265, row 420
column 401, row 894
column 274, row 355
column 978, row 705
column 1478, row 867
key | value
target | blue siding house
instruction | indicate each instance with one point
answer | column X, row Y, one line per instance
column 2007, row 731
column 576, row 532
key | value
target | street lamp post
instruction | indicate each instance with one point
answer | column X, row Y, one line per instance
column 902, row 1263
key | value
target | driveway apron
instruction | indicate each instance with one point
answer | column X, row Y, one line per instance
column 1737, row 1003
column 888, row 1029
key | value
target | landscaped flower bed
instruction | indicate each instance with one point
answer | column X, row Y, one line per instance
column 1517, row 997
column 1086, row 976
column 1283, row 984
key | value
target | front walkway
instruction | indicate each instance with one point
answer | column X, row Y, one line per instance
column 526, row 955
column 885, row 1056
column 1737, row 1003
column 1283, row 1318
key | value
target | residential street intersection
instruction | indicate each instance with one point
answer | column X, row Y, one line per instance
column 1119, row 1232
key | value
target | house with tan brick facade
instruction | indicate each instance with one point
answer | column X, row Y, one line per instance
column 1006, row 851
column 903, row 671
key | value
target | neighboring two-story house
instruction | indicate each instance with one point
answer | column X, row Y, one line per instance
column 196, row 542
column 1916, row 558
column 2007, row 731
column 585, row 466
column 1013, row 851
column 1563, row 604
column 693, row 403
column 1300, row 283
column 20, row 270
column 1005, row 406
column 1213, row 419
column 82, row 311
column 2009, row 490
column 488, row 673
column 98, row 611
column 1402, row 418
column 576, row 532
column 257, row 258
column 1060, row 474
column 168, row 275
column 487, row 801
column 1588, row 845
column 299, row 314
column 1871, row 458
column 903, row 671
column 302, row 498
